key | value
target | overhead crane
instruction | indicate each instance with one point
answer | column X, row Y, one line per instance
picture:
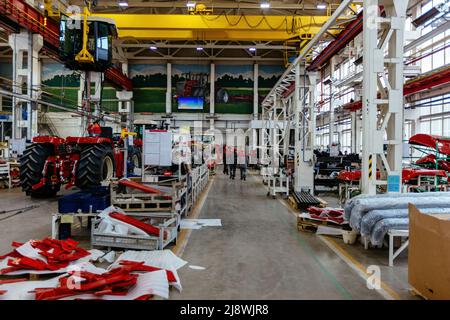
column 217, row 27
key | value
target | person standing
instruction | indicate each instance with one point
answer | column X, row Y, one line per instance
column 243, row 163
column 224, row 157
column 233, row 164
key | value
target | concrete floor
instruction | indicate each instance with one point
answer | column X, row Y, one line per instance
column 257, row 253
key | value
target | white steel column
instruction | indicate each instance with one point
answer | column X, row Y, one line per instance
column 304, row 122
column 25, row 74
column 169, row 89
column 255, row 112
column 384, row 73
column 212, row 95
column 332, row 103
column 125, row 103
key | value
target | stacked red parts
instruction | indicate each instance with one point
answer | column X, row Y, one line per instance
column 117, row 281
column 327, row 214
column 46, row 254
column 150, row 229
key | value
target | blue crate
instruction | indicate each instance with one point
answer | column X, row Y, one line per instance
column 72, row 202
column 98, row 202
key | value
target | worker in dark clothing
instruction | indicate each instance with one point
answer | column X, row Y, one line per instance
column 224, row 157
column 95, row 130
column 243, row 164
column 233, row 164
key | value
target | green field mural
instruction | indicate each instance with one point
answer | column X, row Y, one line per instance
column 149, row 83
column 234, row 87
column 267, row 78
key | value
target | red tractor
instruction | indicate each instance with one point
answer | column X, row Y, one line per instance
column 86, row 162
column 82, row 161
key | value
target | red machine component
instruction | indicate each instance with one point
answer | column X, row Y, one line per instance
column 140, row 266
column 407, row 174
column 82, row 161
column 431, row 80
column 137, row 223
column 441, row 144
column 115, row 282
column 326, row 214
column 138, row 186
column 348, row 176
column 58, row 254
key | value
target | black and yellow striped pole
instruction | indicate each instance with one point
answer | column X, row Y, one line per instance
column 370, row 166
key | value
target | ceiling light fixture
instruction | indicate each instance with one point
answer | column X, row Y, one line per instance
column 123, row 3
column 321, row 6
column 252, row 49
column 264, row 5
column 41, row 5
column 153, row 47
column 190, row 4
column 199, row 48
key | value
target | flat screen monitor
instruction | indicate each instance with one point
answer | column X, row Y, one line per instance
column 190, row 103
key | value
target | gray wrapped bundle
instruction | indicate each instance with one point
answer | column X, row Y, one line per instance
column 383, row 226
column 354, row 201
column 373, row 217
column 363, row 206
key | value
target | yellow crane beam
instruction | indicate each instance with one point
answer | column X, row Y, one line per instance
column 215, row 27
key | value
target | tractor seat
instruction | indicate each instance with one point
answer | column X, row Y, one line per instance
column 107, row 132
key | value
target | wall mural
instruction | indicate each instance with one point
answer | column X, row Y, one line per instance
column 267, row 78
column 149, row 83
column 60, row 86
column 190, row 87
column 234, row 89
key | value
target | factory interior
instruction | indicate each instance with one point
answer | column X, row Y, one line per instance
column 224, row 150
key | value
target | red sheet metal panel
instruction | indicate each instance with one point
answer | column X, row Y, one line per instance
column 138, row 186
column 441, row 144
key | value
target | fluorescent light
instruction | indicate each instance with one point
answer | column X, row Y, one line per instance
column 264, row 5
column 41, row 5
column 123, row 3
column 252, row 49
column 199, row 48
column 153, row 47
column 190, row 4
column 321, row 6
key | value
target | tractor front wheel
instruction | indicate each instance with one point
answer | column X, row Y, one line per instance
column 32, row 165
column 96, row 165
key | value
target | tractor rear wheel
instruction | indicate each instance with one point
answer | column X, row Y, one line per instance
column 96, row 165
column 32, row 164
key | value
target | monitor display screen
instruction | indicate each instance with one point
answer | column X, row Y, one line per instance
column 190, row 103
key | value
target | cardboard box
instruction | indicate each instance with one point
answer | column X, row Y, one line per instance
column 429, row 254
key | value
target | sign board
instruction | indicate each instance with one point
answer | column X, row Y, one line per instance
column 393, row 183
column 157, row 148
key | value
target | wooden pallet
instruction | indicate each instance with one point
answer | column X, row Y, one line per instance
column 323, row 203
column 309, row 225
column 292, row 202
column 143, row 206
column 414, row 292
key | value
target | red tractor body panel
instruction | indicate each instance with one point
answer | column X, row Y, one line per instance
column 88, row 140
column 60, row 166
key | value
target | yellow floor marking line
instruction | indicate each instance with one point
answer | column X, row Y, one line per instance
column 184, row 234
column 386, row 291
